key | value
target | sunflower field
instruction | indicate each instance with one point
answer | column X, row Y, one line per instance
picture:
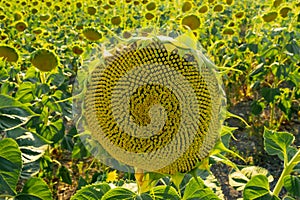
column 50, row 53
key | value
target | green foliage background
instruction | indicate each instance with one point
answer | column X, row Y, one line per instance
column 255, row 44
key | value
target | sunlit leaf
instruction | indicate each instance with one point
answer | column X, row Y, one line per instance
column 270, row 94
column 92, row 192
column 119, row 193
column 35, row 189
column 13, row 113
column 278, row 143
column 196, row 189
column 32, row 147
column 292, row 185
column 10, row 166
column 164, row 193
column 239, row 179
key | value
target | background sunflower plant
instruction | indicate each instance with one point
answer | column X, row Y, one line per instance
column 48, row 49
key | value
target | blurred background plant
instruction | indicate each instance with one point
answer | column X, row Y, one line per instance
column 255, row 44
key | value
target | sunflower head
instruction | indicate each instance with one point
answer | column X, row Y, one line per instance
column 44, row 17
column 186, row 6
column 149, row 16
column 44, row 60
column 192, row 21
column 151, row 6
column 269, row 17
column 37, row 31
column 21, row 26
column 239, row 14
column 77, row 50
column 228, row 31
column 218, row 8
column 92, row 34
column 17, row 16
column 284, row 11
column 8, row 53
column 203, row 9
column 91, row 10
column 136, row 112
column 116, row 20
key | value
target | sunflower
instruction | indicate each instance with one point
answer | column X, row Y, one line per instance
column 284, row 11
column 229, row 2
column 277, row 3
column 112, row 176
column 269, row 17
column 116, row 20
column 57, row 8
column 44, row 60
column 111, row 2
column 37, row 31
column 48, row 3
column 239, row 14
column 151, row 6
column 186, row 6
column 149, row 16
column 228, row 31
column 91, row 10
column 203, row 9
column 3, row 36
column 218, row 8
column 139, row 114
column 44, row 17
column 92, row 34
column 126, row 34
column 78, row 4
column 34, row 10
column 18, row 16
column 2, row 17
column 8, row 53
column 21, row 26
column 79, row 26
column 77, row 50
column 192, row 21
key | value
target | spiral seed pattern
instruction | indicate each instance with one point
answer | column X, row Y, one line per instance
column 153, row 108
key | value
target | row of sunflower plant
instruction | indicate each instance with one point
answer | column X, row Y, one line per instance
column 44, row 43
